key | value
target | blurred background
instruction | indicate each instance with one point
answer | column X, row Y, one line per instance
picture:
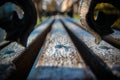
column 51, row 7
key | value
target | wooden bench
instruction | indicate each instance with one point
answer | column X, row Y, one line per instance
column 60, row 50
column 59, row 59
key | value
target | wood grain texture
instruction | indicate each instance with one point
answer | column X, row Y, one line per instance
column 107, row 53
column 59, row 59
column 35, row 42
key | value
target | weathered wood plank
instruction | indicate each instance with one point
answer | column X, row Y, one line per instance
column 59, row 59
column 14, row 55
column 113, row 38
column 74, row 21
column 39, row 29
column 107, row 53
column 7, row 55
column 25, row 61
column 10, row 52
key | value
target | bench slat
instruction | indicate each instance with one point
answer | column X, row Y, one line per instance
column 107, row 53
column 39, row 29
column 10, row 52
column 7, row 56
column 35, row 42
column 113, row 38
column 14, row 55
column 59, row 58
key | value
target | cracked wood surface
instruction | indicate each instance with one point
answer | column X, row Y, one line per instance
column 59, row 59
column 107, row 53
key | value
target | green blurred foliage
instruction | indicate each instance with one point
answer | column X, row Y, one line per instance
column 42, row 19
column 76, row 16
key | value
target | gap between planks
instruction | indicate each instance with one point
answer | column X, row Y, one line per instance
column 107, row 53
column 59, row 59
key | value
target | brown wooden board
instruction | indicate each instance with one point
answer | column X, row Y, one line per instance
column 59, row 59
column 103, row 55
